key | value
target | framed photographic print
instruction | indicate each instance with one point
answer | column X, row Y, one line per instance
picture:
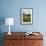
column 26, row 15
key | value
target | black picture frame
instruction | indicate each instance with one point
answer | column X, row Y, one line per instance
column 26, row 15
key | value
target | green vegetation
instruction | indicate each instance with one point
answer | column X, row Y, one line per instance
column 26, row 17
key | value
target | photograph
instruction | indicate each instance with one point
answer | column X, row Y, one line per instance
column 26, row 15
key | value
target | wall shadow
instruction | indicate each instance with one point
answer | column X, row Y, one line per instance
column 2, row 21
